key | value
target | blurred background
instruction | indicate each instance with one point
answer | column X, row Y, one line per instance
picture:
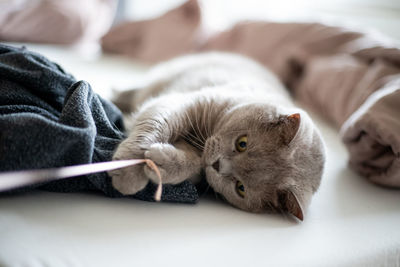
column 74, row 21
column 70, row 31
column 382, row 15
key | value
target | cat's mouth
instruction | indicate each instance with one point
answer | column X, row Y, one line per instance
column 210, row 171
column 211, row 168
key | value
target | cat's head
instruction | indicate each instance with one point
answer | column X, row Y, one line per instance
column 264, row 159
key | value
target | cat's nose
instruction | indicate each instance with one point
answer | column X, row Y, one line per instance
column 215, row 165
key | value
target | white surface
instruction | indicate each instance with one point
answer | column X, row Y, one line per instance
column 350, row 222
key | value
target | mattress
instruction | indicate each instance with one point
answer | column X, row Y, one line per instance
column 351, row 222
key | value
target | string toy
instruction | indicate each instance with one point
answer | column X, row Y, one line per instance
column 16, row 179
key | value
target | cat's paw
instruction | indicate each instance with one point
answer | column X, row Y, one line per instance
column 166, row 157
column 129, row 180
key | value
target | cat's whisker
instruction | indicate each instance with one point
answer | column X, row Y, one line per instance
column 195, row 138
column 189, row 134
column 204, row 123
column 188, row 137
column 218, row 196
column 205, row 191
column 206, row 120
column 195, row 122
column 191, row 124
column 197, row 145
column 272, row 207
column 209, row 122
column 198, row 128
column 197, row 133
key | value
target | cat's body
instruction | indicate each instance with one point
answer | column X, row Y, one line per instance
column 229, row 116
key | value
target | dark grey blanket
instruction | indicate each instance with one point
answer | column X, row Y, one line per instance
column 48, row 119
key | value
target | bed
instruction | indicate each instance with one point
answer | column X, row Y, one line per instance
column 351, row 222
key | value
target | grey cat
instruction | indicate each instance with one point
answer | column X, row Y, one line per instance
column 231, row 117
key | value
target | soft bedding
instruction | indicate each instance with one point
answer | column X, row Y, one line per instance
column 350, row 221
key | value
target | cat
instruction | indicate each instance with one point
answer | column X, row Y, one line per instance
column 228, row 116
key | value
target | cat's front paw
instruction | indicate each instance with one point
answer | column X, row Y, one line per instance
column 129, row 180
column 166, row 157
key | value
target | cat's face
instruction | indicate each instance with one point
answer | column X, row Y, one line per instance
column 262, row 161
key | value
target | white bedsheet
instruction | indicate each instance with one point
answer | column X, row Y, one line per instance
column 350, row 222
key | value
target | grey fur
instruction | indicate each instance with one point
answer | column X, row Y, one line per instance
column 190, row 116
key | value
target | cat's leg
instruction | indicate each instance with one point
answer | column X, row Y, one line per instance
column 129, row 180
column 162, row 120
column 177, row 163
column 151, row 129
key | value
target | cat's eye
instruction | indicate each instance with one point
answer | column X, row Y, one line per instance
column 241, row 143
column 240, row 189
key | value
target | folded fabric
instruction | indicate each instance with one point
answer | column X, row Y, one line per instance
column 55, row 21
column 172, row 34
column 340, row 74
column 47, row 119
column 348, row 77
column 371, row 135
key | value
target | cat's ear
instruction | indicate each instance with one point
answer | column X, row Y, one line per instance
column 290, row 124
column 290, row 203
